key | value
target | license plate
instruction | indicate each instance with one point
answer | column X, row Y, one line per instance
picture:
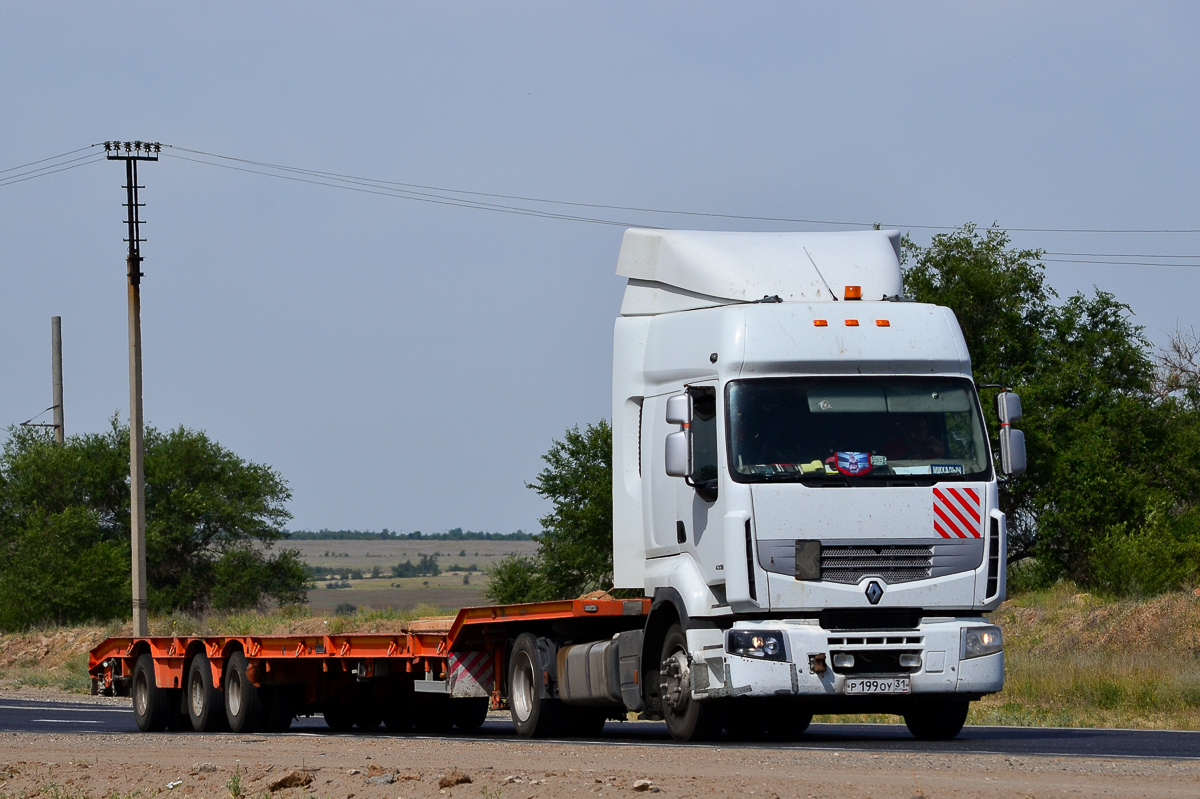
column 877, row 685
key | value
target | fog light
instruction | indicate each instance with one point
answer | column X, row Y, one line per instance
column 764, row 644
column 910, row 661
column 843, row 660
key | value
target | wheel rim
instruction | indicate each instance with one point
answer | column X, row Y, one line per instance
column 676, row 682
column 233, row 690
column 522, row 690
column 141, row 694
column 197, row 694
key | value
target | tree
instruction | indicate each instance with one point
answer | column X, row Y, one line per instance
column 575, row 549
column 212, row 522
column 1113, row 458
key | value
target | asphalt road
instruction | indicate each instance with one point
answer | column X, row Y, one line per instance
column 17, row 715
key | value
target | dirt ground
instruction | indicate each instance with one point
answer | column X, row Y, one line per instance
column 355, row 767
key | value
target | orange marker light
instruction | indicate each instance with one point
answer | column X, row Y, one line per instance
column 851, row 323
column 854, row 292
column 820, row 323
column 882, row 323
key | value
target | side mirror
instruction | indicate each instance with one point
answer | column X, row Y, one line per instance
column 679, row 453
column 1008, row 407
column 679, row 409
column 1012, row 449
column 679, row 445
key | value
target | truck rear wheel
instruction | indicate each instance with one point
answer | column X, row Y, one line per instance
column 937, row 721
column 533, row 715
column 687, row 719
column 339, row 717
column 150, row 703
column 243, row 701
column 205, row 706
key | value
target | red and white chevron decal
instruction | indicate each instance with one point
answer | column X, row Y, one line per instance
column 957, row 512
column 471, row 674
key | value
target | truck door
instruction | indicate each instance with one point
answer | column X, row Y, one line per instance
column 699, row 506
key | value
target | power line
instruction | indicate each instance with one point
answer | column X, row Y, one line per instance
column 1117, row 255
column 379, row 183
column 51, row 158
column 51, row 169
column 1118, row 263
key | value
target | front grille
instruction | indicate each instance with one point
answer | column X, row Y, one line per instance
column 893, row 564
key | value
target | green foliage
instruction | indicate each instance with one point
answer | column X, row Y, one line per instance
column 575, row 549
column 212, row 520
column 426, row 566
column 1114, row 461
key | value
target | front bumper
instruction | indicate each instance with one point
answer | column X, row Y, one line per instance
column 809, row 671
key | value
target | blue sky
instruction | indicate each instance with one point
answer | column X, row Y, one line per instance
column 405, row 364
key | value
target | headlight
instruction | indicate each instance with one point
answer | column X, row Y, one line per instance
column 980, row 641
column 762, row 644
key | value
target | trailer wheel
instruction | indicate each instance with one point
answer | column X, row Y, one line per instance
column 938, row 721
column 687, row 719
column 469, row 714
column 205, row 706
column 150, row 703
column 243, row 702
column 533, row 716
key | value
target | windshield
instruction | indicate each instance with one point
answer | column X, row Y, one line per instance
column 841, row 430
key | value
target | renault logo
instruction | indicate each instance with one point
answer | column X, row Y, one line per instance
column 874, row 592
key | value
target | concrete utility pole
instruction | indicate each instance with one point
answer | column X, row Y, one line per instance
column 131, row 153
column 60, row 434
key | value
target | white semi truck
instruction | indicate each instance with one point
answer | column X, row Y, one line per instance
column 803, row 497
column 803, row 484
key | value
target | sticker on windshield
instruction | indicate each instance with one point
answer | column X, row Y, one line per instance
column 947, row 468
column 854, row 463
column 878, row 460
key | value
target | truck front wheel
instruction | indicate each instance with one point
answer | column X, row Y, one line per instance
column 687, row 719
column 937, row 721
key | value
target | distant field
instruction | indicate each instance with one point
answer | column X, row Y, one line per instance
column 444, row 591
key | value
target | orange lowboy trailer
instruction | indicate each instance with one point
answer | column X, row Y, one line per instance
column 434, row 675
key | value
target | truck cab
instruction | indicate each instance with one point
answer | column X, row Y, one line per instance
column 803, row 483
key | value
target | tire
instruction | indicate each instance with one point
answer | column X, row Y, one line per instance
column 243, row 701
column 939, row 721
column 585, row 722
column 533, row 715
column 687, row 719
column 280, row 709
column 151, row 704
column 469, row 714
column 339, row 717
column 205, row 705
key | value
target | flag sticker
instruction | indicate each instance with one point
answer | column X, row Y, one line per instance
column 957, row 512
